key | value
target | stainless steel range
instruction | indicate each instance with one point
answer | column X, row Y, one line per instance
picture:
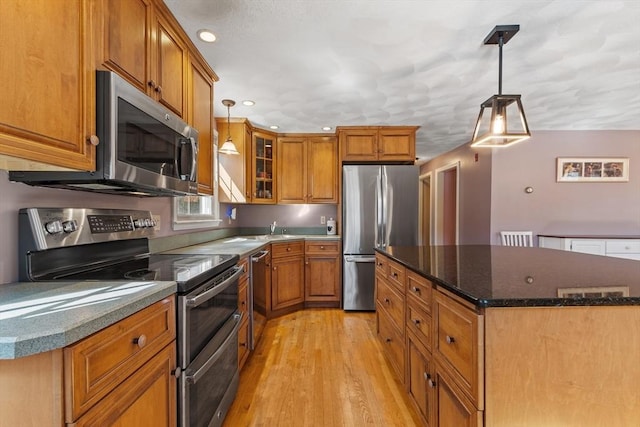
column 112, row 244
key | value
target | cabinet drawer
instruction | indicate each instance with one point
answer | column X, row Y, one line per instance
column 392, row 342
column 97, row 364
column 397, row 274
column 382, row 266
column 626, row 246
column 243, row 342
column 419, row 322
column 457, row 342
column 420, row 290
column 243, row 297
column 392, row 302
column 287, row 249
column 321, row 247
column 244, row 263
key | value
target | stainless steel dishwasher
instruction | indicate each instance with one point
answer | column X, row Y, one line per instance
column 260, row 285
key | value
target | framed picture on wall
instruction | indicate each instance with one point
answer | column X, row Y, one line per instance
column 592, row 169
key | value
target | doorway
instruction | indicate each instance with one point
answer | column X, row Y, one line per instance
column 447, row 204
column 425, row 210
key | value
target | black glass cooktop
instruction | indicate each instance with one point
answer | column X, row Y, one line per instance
column 187, row 271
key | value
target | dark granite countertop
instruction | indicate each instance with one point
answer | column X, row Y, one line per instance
column 502, row 276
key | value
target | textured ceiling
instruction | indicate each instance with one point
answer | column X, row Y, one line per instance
column 314, row 63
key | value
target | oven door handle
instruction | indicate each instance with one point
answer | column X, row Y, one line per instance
column 195, row 377
column 206, row 296
column 258, row 258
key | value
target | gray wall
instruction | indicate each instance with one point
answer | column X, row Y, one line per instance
column 560, row 207
column 284, row 215
column 475, row 191
column 492, row 196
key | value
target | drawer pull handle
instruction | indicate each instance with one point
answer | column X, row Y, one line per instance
column 395, row 275
column 431, row 383
column 450, row 340
column 321, row 247
column 386, row 300
column 427, row 376
column 416, row 321
column 388, row 340
column 288, row 249
column 416, row 289
column 140, row 341
column 243, row 344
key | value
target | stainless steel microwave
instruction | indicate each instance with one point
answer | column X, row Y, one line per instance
column 144, row 149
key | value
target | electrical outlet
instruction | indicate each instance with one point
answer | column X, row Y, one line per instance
column 156, row 218
column 323, row 220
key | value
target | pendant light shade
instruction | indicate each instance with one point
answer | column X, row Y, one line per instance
column 501, row 121
column 228, row 147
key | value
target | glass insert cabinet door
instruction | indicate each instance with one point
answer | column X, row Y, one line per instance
column 263, row 180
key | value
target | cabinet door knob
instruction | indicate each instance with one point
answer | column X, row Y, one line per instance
column 387, row 300
column 152, row 84
column 93, row 140
column 416, row 321
column 158, row 89
column 388, row 340
column 176, row 372
column 431, row 383
column 140, row 341
column 395, row 275
column 243, row 344
column 321, row 247
column 288, row 249
column 275, row 268
column 427, row 376
column 450, row 340
column 416, row 289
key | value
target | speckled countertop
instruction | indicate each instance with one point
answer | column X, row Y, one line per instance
column 245, row 245
column 502, row 276
column 40, row 316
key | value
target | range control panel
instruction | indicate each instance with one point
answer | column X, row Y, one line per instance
column 47, row 228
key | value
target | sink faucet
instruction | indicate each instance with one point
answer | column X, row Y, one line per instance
column 273, row 227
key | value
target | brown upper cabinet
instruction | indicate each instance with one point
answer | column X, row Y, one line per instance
column 140, row 43
column 41, row 72
column 378, row 143
column 307, row 169
column 143, row 43
column 263, row 176
column 235, row 171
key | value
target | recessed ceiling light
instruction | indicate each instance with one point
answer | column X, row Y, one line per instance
column 248, row 102
column 274, row 127
column 326, row 128
column 206, row 36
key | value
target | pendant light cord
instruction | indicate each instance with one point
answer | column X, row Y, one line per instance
column 500, row 43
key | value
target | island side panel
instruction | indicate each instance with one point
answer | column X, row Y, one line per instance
column 569, row 366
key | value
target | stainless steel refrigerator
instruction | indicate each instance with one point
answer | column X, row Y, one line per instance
column 379, row 209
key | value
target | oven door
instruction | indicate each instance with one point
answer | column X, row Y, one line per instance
column 203, row 312
column 210, row 383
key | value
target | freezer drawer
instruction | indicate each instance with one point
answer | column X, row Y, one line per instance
column 359, row 282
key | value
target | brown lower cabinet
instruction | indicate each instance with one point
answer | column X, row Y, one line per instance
column 287, row 277
column 113, row 377
column 322, row 274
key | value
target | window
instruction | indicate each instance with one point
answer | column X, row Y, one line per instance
column 199, row 211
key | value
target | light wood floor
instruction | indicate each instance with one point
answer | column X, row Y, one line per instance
column 320, row 367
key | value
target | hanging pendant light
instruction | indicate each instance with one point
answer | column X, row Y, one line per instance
column 228, row 147
column 506, row 124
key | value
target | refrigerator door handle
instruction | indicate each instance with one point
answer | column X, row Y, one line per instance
column 365, row 258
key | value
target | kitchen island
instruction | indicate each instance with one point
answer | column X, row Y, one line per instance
column 505, row 336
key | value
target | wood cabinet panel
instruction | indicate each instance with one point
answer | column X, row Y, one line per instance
column 201, row 117
column 307, row 169
column 45, row 64
column 396, row 275
column 392, row 342
column 419, row 290
column 98, row 364
column 458, row 345
column 235, row 170
column 421, row 375
column 292, row 175
column 171, row 63
column 392, row 302
column 263, row 177
column 453, row 408
column 146, row 398
column 243, row 343
column 287, row 249
column 378, row 143
column 126, row 48
column 287, row 282
column 419, row 322
column 322, row 170
column 322, row 278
